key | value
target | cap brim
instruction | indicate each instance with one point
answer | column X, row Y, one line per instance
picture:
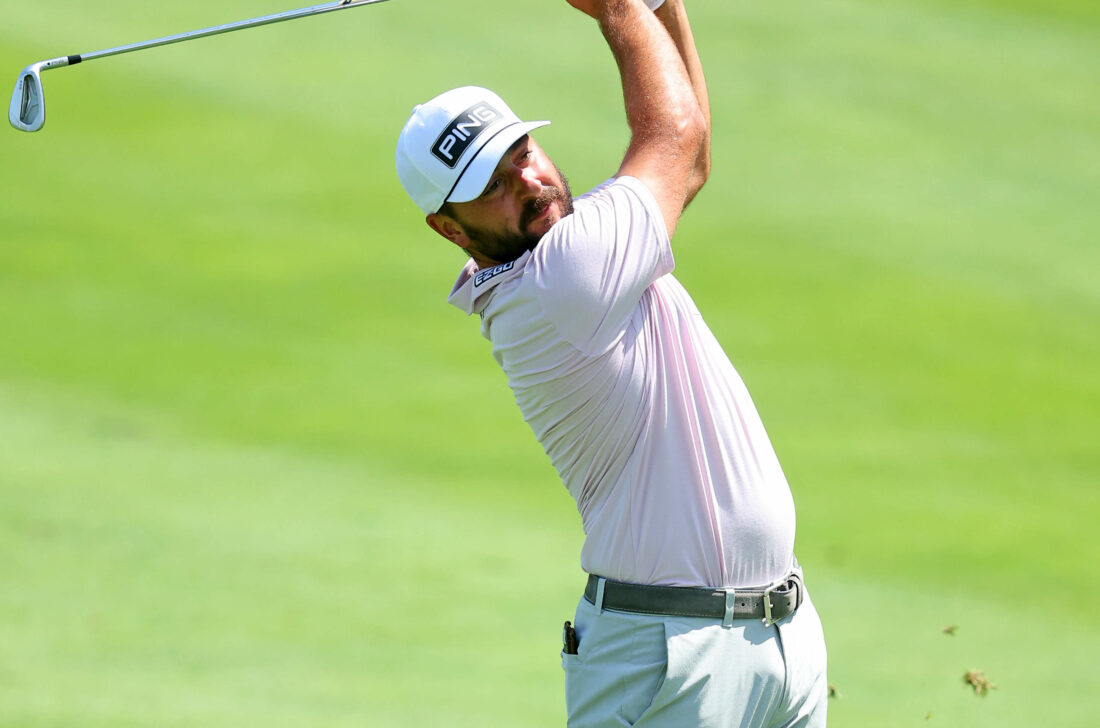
column 477, row 173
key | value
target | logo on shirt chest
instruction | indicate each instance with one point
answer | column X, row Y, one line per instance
column 490, row 273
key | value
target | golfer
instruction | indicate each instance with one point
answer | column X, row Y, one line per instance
column 695, row 612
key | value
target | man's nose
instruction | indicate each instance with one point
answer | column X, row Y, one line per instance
column 527, row 181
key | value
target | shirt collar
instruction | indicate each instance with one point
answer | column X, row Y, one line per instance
column 469, row 291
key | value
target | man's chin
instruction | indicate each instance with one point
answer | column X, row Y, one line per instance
column 549, row 217
column 545, row 220
column 504, row 247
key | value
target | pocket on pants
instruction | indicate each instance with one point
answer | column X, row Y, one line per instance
column 650, row 667
column 619, row 670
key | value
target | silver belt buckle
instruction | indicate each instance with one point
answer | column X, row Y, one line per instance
column 768, row 620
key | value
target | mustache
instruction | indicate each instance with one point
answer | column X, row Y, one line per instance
column 535, row 207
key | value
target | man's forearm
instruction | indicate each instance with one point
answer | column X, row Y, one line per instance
column 666, row 123
column 656, row 88
column 673, row 16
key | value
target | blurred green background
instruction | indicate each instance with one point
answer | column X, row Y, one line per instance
column 255, row 471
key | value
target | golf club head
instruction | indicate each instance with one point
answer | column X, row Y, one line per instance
column 27, row 111
column 28, row 107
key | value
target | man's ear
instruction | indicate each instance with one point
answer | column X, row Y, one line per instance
column 449, row 228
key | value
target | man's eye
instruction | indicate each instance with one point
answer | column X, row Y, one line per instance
column 492, row 187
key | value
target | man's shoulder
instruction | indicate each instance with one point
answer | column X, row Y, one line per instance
column 618, row 213
column 614, row 187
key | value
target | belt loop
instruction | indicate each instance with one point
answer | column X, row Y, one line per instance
column 600, row 584
column 731, row 596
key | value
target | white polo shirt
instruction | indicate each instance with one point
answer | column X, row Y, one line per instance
column 641, row 412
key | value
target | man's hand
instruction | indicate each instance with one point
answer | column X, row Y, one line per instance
column 591, row 8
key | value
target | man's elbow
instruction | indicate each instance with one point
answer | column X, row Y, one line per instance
column 693, row 128
column 700, row 171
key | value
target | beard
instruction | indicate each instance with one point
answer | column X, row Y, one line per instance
column 507, row 245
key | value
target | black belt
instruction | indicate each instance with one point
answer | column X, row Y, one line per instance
column 769, row 605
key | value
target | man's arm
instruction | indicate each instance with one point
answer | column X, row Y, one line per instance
column 673, row 16
column 668, row 128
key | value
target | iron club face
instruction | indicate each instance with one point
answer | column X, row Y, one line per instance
column 27, row 111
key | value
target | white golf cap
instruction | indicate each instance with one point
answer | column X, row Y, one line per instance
column 450, row 145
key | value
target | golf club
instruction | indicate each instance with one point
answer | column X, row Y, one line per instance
column 28, row 106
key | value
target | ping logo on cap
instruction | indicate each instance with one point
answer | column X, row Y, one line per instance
column 462, row 131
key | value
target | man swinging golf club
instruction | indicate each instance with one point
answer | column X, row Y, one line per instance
column 695, row 612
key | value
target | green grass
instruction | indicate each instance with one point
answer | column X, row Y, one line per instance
column 255, row 471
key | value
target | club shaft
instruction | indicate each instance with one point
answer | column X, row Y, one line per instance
column 219, row 29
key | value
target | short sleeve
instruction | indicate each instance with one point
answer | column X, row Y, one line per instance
column 591, row 270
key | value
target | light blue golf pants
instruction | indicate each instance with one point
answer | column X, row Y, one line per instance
column 686, row 672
